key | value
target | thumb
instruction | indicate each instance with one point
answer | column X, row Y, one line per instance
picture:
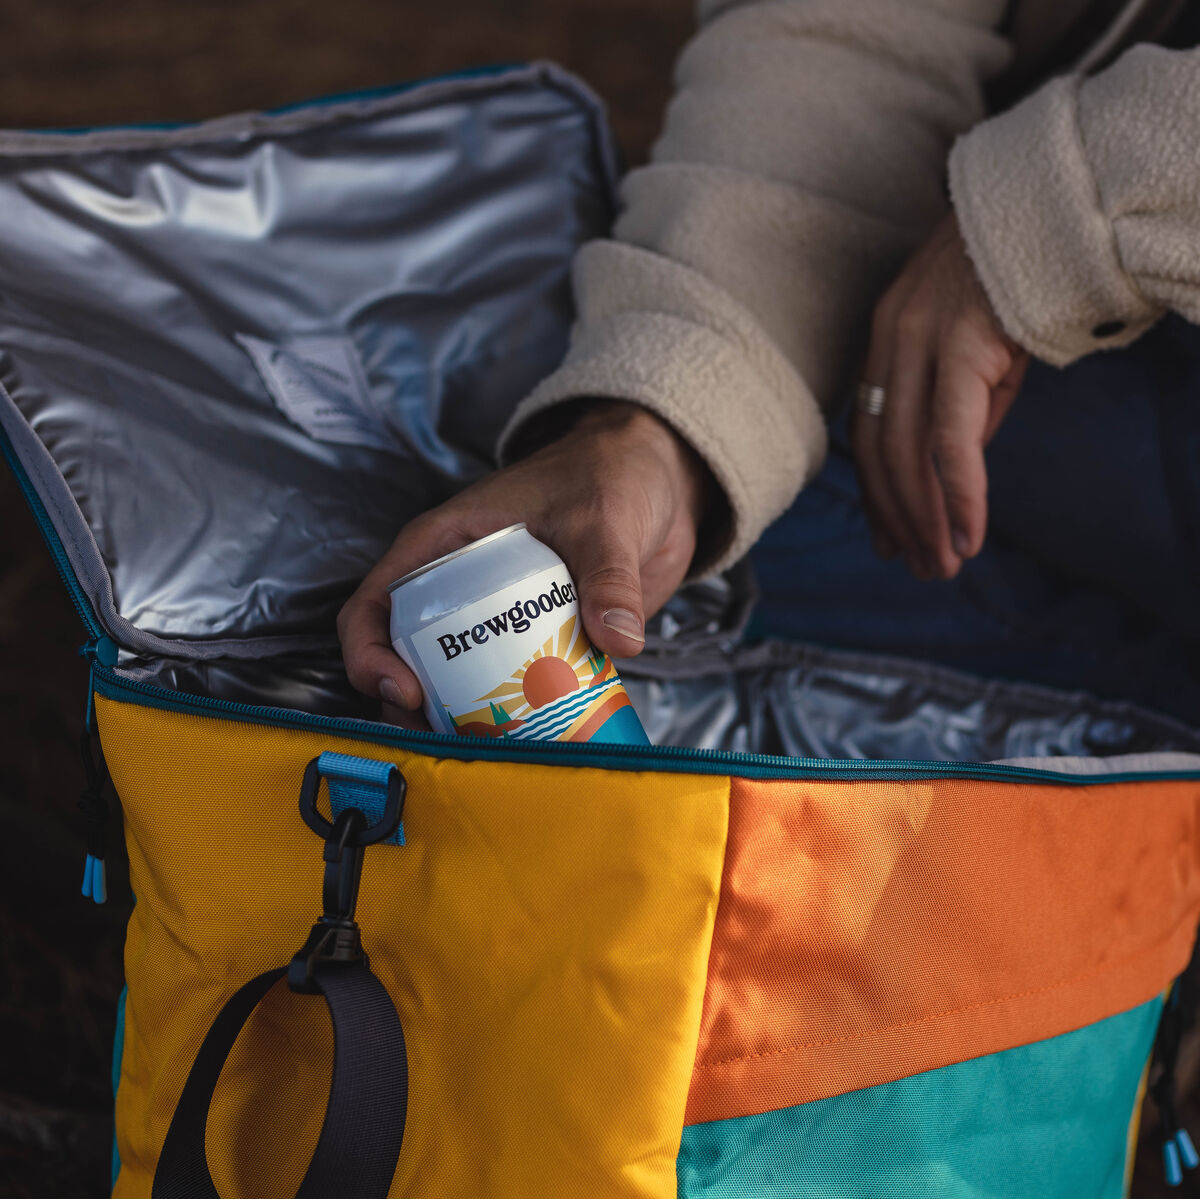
column 608, row 579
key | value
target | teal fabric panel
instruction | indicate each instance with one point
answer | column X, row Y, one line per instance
column 1049, row 1119
column 118, row 1051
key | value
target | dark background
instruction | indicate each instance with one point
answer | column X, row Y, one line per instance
column 70, row 63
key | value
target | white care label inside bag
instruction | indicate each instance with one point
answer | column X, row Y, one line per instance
column 318, row 383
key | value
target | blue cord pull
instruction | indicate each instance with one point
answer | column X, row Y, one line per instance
column 95, row 880
column 1171, row 1167
column 94, row 807
column 1178, row 1152
column 1187, row 1151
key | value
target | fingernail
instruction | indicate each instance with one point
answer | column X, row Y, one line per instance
column 389, row 689
column 624, row 622
column 962, row 545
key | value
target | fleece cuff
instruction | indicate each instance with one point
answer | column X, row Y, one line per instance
column 1030, row 213
column 695, row 358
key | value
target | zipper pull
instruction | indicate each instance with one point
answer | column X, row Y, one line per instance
column 92, row 802
column 1172, row 1170
column 103, row 651
column 1179, row 1154
column 94, row 806
column 1187, row 1151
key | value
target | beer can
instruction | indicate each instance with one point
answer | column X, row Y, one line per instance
column 494, row 633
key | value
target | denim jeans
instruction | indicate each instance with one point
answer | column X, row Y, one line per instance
column 1090, row 575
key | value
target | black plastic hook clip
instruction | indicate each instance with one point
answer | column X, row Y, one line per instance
column 335, row 936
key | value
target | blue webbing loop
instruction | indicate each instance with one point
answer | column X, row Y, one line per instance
column 359, row 783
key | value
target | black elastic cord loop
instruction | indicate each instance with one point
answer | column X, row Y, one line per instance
column 360, row 1139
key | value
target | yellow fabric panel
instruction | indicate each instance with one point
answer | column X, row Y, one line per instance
column 545, row 934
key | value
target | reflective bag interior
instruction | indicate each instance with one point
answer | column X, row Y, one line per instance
column 236, row 357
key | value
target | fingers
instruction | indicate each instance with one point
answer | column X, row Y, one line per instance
column 372, row 666
column 961, row 402
column 889, row 515
column 883, row 512
column 979, row 375
column 364, row 623
column 908, row 463
column 604, row 562
column 950, row 375
column 618, row 497
column 1005, row 392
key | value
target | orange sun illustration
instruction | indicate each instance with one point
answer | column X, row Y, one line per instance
column 556, row 669
column 547, row 679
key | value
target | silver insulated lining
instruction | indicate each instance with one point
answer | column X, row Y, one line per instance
column 236, row 357
column 253, row 348
column 698, row 685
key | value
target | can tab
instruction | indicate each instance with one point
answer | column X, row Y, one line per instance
column 335, row 938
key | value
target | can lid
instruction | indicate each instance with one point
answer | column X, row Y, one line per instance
column 412, row 574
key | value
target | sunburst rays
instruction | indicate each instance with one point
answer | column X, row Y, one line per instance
column 567, row 643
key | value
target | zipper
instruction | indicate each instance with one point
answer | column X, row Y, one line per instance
column 108, row 683
column 101, row 651
column 93, row 803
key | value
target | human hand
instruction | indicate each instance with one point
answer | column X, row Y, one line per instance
column 619, row 496
column 949, row 375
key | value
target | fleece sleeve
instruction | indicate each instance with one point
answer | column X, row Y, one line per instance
column 1080, row 207
column 803, row 156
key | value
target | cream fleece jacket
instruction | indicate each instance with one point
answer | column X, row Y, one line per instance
column 804, row 156
column 1081, row 206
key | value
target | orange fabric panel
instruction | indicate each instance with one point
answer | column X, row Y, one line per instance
column 874, row 930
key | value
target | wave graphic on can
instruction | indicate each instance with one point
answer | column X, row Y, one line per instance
column 556, row 718
column 566, row 691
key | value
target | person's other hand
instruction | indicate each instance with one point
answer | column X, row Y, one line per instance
column 949, row 374
column 619, row 496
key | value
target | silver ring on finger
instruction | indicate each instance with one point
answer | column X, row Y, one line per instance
column 871, row 399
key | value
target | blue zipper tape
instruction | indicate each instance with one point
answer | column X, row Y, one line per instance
column 108, row 683
column 674, row 759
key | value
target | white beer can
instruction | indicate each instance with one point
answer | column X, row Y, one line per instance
column 494, row 633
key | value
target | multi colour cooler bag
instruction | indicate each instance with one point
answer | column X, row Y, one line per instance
column 857, row 927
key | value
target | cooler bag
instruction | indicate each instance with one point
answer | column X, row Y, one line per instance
column 855, row 926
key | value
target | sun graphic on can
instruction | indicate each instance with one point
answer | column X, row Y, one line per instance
column 565, row 691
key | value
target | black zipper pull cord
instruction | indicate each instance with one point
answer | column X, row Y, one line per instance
column 1179, row 1153
column 93, row 803
column 92, row 800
